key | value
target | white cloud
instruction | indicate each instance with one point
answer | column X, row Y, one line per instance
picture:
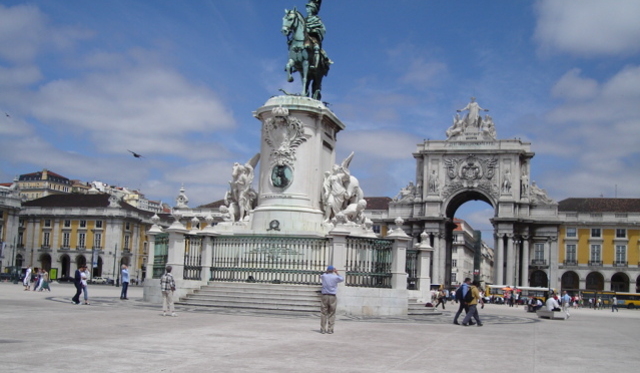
column 379, row 144
column 588, row 27
column 422, row 74
column 19, row 76
column 151, row 109
column 573, row 87
column 24, row 32
column 596, row 132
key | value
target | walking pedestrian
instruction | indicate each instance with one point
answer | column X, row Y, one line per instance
column 473, row 309
column 83, row 279
column 442, row 299
column 460, row 294
column 77, row 282
column 44, row 284
column 330, row 280
column 566, row 304
column 124, row 274
column 614, row 304
column 168, row 286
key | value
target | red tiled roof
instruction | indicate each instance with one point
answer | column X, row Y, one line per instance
column 213, row 205
column 377, row 203
column 599, row 205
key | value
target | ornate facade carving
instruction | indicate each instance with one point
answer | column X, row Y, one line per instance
column 283, row 133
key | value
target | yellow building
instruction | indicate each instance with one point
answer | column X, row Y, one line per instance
column 61, row 232
column 43, row 183
column 598, row 243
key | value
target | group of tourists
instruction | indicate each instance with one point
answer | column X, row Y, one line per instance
column 39, row 277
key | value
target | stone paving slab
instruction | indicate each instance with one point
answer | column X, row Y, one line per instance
column 45, row 332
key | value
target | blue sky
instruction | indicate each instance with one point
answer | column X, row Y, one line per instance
column 176, row 81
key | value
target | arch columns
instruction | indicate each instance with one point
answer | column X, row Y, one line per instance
column 511, row 261
column 524, row 276
column 498, row 263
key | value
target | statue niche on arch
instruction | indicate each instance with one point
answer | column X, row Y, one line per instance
column 304, row 38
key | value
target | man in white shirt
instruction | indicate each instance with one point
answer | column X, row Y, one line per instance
column 552, row 304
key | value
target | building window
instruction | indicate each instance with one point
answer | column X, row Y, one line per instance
column 20, row 239
column 66, row 239
column 596, row 253
column 621, row 233
column 454, row 278
column 45, row 239
column 67, row 223
column 596, row 233
column 126, row 242
column 47, row 223
column 572, row 232
column 538, row 252
column 83, row 223
column 376, row 229
column 127, row 226
column 81, row 240
column 571, row 254
column 97, row 241
column 621, row 254
column 98, row 224
column 454, row 263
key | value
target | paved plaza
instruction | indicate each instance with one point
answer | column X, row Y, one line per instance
column 45, row 332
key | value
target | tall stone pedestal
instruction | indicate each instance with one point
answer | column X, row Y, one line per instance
column 297, row 147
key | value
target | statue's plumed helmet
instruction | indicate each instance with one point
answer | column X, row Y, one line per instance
column 315, row 3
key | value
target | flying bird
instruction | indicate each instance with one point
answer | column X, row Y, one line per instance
column 135, row 154
column 7, row 114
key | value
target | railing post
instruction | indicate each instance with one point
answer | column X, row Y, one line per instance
column 338, row 250
column 424, row 266
column 151, row 248
column 207, row 256
column 175, row 253
column 399, row 256
column 206, row 260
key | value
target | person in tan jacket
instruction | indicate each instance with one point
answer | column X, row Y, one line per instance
column 473, row 305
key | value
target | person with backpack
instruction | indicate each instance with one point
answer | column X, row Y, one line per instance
column 471, row 298
column 460, row 295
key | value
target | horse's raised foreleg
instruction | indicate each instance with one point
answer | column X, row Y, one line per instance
column 288, row 67
column 305, row 77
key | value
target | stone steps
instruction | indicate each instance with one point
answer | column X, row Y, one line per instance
column 255, row 296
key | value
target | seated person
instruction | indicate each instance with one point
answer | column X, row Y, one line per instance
column 538, row 304
column 552, row 304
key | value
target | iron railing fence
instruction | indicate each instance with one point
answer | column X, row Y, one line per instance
column 412, row 269
column 192, row 257
column 269, row 259
column 160, row 254
column 368, row 262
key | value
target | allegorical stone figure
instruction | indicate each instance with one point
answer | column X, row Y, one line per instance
column 473, row 117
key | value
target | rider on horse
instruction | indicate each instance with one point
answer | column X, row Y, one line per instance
column 316, row 31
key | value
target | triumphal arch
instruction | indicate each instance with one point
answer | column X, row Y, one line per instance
column 472, row 163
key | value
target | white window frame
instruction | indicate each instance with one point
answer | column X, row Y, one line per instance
column 621, row 253
column 593, row 250
column 571, row 255
column 82, row 237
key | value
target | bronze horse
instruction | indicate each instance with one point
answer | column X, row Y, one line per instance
column 302, row 55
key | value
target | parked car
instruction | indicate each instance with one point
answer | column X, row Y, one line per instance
column 99, row 280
